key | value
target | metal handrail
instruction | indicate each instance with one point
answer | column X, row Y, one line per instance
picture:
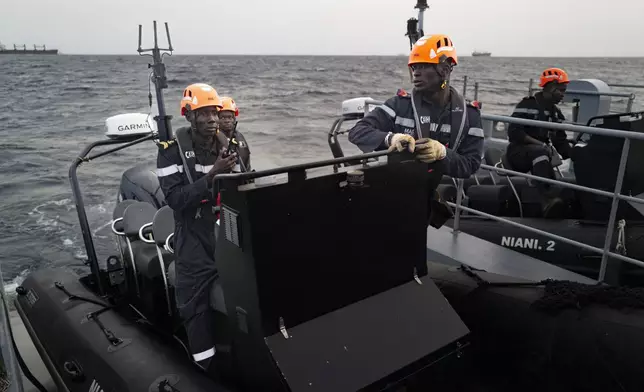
column 615, row 195
column 532, row 90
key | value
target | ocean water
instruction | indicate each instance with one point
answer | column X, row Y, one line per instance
column 52, row 106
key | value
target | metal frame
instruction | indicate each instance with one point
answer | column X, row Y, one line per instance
column 615, row 195
column 80, row 205
column 532, row 90
column 151, row 240
column 130, row 252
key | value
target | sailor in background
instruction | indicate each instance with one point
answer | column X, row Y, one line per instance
column 235, row 141
column 186, row 167
column 434, row 120
column 537, row 149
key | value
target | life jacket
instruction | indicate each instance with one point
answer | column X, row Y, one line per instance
column 188, row 157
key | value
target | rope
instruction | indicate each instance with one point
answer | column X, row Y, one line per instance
column 620, row 247
column 563, row 294
column 469, row 271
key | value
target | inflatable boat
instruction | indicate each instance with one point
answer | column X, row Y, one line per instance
column 516, row 199
column 292, row 319
column 303, row 307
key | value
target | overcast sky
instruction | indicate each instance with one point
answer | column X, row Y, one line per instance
column 555, row 28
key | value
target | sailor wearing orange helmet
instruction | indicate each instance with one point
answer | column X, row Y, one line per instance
column 531, row 148
column 434, row 120
column 235, row 141
column 186, row 167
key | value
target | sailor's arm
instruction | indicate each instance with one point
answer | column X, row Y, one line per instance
column 558, row 135
column 369, row 133
column 466, row 160
column 247, row 147
column 528, row 110
column 179, row 193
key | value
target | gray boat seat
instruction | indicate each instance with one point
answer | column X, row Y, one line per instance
column 492, row 155
column 136, row 215
column 154, row 265
column 117, row 215
column 163, row 226
column 158, row 229
column 147, row 260
column 141, row 183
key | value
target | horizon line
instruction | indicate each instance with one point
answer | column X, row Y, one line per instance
column 340, row 55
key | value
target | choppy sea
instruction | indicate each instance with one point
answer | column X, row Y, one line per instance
column 52, row 106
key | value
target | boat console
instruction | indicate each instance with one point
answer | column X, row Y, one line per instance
column 317, row 284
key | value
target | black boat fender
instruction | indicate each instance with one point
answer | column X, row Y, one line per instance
column 552, row 335
column 94, row 347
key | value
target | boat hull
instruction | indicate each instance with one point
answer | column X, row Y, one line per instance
column 19, row 52
column 78, row 351
column 555, row 252
column 518, row 347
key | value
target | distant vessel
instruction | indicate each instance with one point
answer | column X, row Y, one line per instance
column 484, row 54
column 23, row 50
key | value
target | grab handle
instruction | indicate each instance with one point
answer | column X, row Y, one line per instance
column 73, row 369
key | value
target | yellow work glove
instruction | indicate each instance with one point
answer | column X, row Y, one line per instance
column 429, row 150
column 397, row 140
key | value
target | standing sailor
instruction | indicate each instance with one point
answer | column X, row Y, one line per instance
column 228, row 117
column 434, row 120
column 186, row 167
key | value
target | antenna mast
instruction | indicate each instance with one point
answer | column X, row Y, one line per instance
column 160, row 80
column 415, row 26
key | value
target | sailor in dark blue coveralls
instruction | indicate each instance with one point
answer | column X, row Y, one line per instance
column 434, row 120
column 187, row 190
column 532, row 148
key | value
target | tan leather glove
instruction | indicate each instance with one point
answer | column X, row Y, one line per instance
column 396, row 142
column 429, row 150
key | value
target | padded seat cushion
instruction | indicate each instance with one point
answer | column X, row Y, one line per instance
column 147, row 260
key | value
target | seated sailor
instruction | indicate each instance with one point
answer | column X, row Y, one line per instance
column 536, row 149
column 186, row 167
column 434, row 120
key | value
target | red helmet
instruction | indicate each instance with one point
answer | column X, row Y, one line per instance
column 553, row 75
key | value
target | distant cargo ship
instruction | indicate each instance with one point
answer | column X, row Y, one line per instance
column 483, row 54
column 23, row 50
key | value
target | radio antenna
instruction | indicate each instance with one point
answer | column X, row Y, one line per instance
column 415, row 26
column 159, row 79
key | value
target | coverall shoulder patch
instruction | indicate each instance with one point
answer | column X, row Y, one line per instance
column 165, row 145
column 402, row 93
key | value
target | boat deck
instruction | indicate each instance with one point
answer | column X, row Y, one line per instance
column 444, row 247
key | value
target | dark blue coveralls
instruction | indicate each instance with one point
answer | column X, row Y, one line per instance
column 194, row 243
column 457, row 126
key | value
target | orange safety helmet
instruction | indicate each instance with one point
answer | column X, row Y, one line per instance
column 228, row 103
column 199, row 95
column 433, row 49
column 553, row 75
